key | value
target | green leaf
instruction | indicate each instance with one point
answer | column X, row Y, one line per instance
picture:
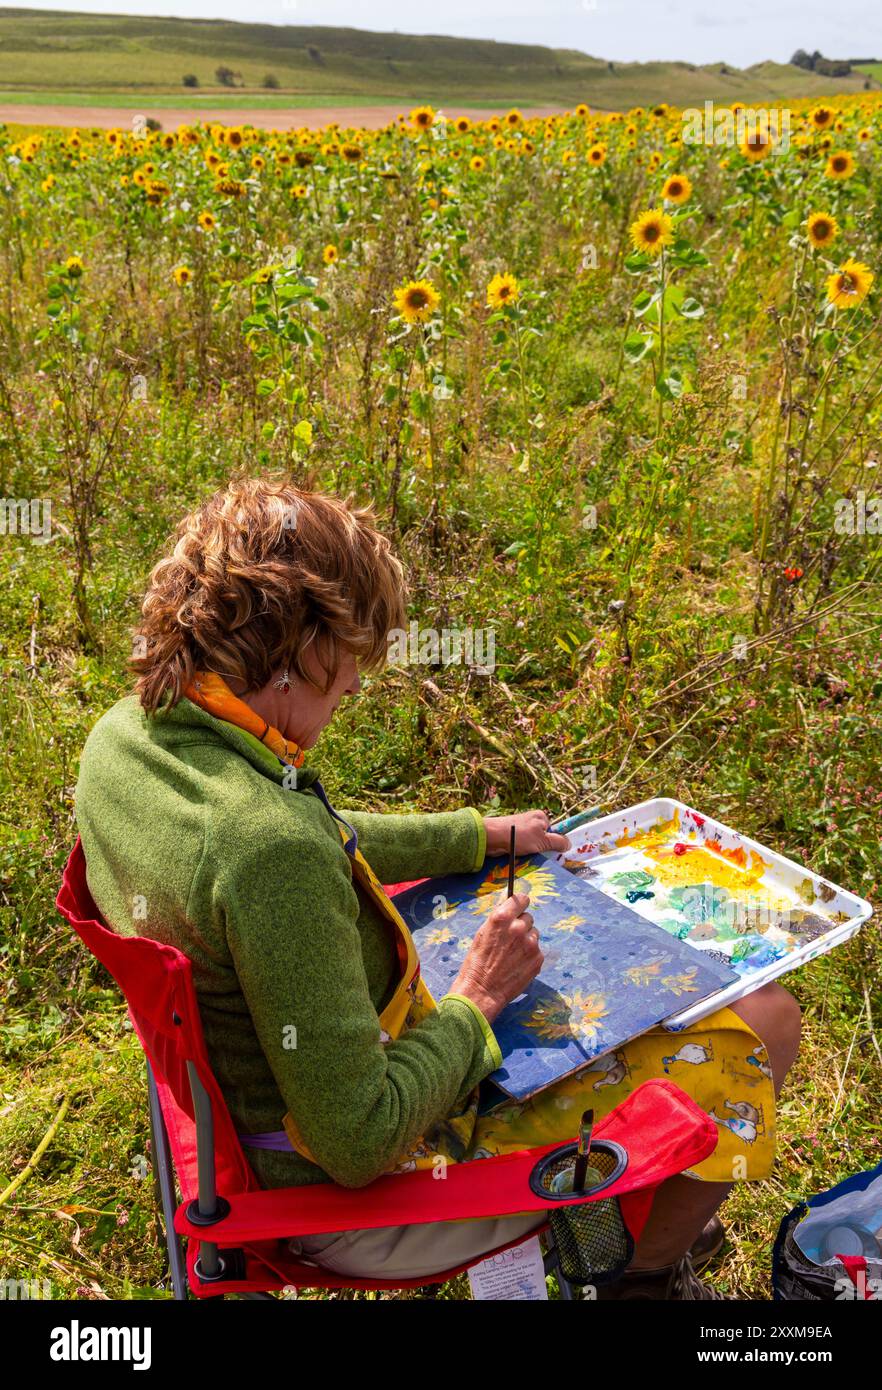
column 636, row 346
column 643, row 302
column 637, row 263
column 690, row 308
column 670, row 387
column 686, row 257
column 515, row 548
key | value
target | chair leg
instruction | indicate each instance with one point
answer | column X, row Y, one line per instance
column 164, row 1176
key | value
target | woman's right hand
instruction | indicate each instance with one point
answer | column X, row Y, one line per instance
column 503, row 958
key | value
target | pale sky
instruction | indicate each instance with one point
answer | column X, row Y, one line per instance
column 698, row 31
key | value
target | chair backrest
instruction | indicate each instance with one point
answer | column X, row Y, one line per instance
column 157, row 982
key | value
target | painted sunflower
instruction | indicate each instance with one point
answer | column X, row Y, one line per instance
column 493, row 888
column 567, row 1016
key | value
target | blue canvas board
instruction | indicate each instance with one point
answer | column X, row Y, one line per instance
column 608, row 975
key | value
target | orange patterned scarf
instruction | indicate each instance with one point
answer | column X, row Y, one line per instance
column 212, row 693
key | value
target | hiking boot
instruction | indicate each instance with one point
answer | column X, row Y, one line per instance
column 707, row 1244
column 677, row 1281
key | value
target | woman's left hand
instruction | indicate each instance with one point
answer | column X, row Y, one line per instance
column 532, row 834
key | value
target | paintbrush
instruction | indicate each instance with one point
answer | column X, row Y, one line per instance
column 581, row 1167
column 564, row 827
column 511, row 863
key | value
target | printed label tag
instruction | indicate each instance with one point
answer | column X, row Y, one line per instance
column 516, row 1274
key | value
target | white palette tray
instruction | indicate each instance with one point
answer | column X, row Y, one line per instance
column 718, row 890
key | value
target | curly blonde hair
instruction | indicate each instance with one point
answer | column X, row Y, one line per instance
column 258, row 575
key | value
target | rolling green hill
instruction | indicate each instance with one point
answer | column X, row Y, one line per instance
column 65, row 56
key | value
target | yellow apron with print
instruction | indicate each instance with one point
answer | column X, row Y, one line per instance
column 720, row 1062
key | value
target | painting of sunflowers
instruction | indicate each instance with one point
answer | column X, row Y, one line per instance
column 609, row 974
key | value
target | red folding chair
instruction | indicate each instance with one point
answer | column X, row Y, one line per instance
column 237, row 1232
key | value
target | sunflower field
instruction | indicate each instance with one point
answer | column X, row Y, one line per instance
column 615, row 394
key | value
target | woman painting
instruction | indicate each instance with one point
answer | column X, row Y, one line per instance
column 199, row 801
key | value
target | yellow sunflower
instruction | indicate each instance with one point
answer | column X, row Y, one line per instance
column 422, row 117
column 652, row 231
column 182, row 274
column 581, row 109
column 477, row 163
column 596, row 155
column 330, row 254
column 677, row 189
column 757, row 145
column 840, row 165
column 502, row 290
column 514, row 119
column 206, row 221
column 463, row 125
column 300, row 190
column 821, row 117
column 822, row 229
column 73, row 267
column 850, row 285
column 417, row 300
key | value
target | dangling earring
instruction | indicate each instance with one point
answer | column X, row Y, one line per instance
column 284, row 682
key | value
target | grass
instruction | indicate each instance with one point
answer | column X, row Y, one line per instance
column 486, row 445
column 137, row 57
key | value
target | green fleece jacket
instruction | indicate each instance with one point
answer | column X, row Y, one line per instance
column 192, row 838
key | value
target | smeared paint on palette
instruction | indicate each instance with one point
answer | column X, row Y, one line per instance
column 710, row 887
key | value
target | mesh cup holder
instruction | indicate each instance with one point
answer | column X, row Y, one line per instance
column 593, row 1243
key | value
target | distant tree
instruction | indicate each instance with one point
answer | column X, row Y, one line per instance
column 190, row 80
column 153, row 123
column 801, row 59
column 225, row 76
column 270, row 80
column 833, row 67
column 315, row 54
